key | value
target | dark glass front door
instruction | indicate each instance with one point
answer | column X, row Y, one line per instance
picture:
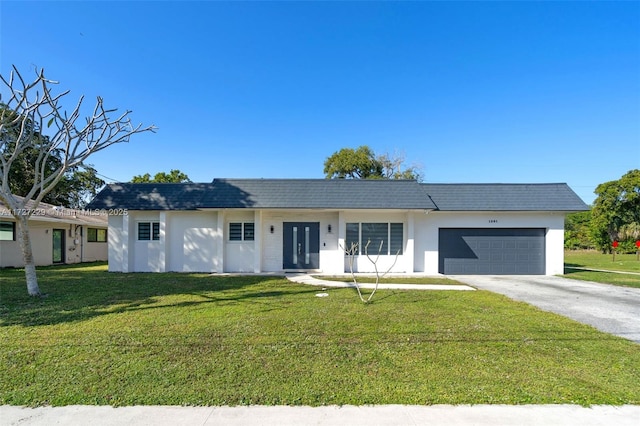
column 301, row 245
column 58, row 246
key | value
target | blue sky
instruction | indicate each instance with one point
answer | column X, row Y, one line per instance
column 468, row 91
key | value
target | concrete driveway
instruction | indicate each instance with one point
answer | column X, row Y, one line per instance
column 608, row 308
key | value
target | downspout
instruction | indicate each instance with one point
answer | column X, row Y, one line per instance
column 81, row 241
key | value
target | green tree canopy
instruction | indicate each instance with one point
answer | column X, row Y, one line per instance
column 576, row 231
column 174, row 176
column 363, row 163
column 616, row 210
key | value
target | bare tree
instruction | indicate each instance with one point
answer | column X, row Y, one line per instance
column 393, row 167
column 352, row 252
column 30, row 110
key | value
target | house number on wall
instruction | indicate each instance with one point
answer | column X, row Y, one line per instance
column 493, row 220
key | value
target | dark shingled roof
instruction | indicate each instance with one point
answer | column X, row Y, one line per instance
column 317, row 194
column 504, row 197
column 151, row 196
column 266, row 193
column 337, row 194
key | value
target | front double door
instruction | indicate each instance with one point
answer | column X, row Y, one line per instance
column 301, row 245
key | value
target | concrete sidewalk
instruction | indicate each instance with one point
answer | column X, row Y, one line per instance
column 480, row 415
column 309, row 280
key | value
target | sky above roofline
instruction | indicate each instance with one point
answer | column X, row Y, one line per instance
column 514, row 92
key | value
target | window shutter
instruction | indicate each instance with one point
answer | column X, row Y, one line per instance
column 235, row 231
column 396, row 237
column 374, row 234
column 249, row 229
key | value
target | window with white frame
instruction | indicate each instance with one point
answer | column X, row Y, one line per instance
column 241, row 231
column 7, row 231
column 148, row 231
column 382, row 238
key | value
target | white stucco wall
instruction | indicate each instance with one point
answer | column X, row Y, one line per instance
column 198, row 241
column 146, row 256
column 239, row 255
column 118, row 244
column 93, row 252
column 11, row 254
column 427, row 226
column 41, row 244
column 77, row 249
column 191, row 241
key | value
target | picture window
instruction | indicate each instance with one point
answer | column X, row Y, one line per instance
column 383, row 238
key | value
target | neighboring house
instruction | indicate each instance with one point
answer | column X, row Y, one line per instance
column 278, row 225
column 58, row 235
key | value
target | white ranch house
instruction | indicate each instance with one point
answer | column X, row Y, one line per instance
column 280, row 225
column 58, row 236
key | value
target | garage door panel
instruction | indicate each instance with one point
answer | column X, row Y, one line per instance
column 483, row 251
column 496, row 257
column 524, row 257
column 482, row 244
column 497, row 244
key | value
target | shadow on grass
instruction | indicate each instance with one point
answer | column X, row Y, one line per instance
column 79, row 293
column 572, row 268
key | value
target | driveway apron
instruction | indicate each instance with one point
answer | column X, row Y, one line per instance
column 609, row 308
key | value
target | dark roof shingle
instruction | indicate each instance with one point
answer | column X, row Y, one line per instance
column 338, row 194
column 504, row 197
column 266, row 193
column 151, row 196
column 317, row 194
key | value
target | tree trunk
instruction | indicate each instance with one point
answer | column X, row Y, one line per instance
column 27, row 255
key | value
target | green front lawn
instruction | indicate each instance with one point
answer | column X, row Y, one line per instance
column 195, row 339
column 591, row 259
column 597, row 260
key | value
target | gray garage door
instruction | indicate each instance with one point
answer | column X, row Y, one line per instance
column 473, row 251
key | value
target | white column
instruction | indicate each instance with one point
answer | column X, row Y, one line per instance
column 257, row 242
column 164, row 246
column 126, row 243
column 554, row 250
column 221, row 235
column 409, row 253
column 342, row 235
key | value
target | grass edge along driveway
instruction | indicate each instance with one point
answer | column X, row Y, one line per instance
column 591, row 259
column 198, row 339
